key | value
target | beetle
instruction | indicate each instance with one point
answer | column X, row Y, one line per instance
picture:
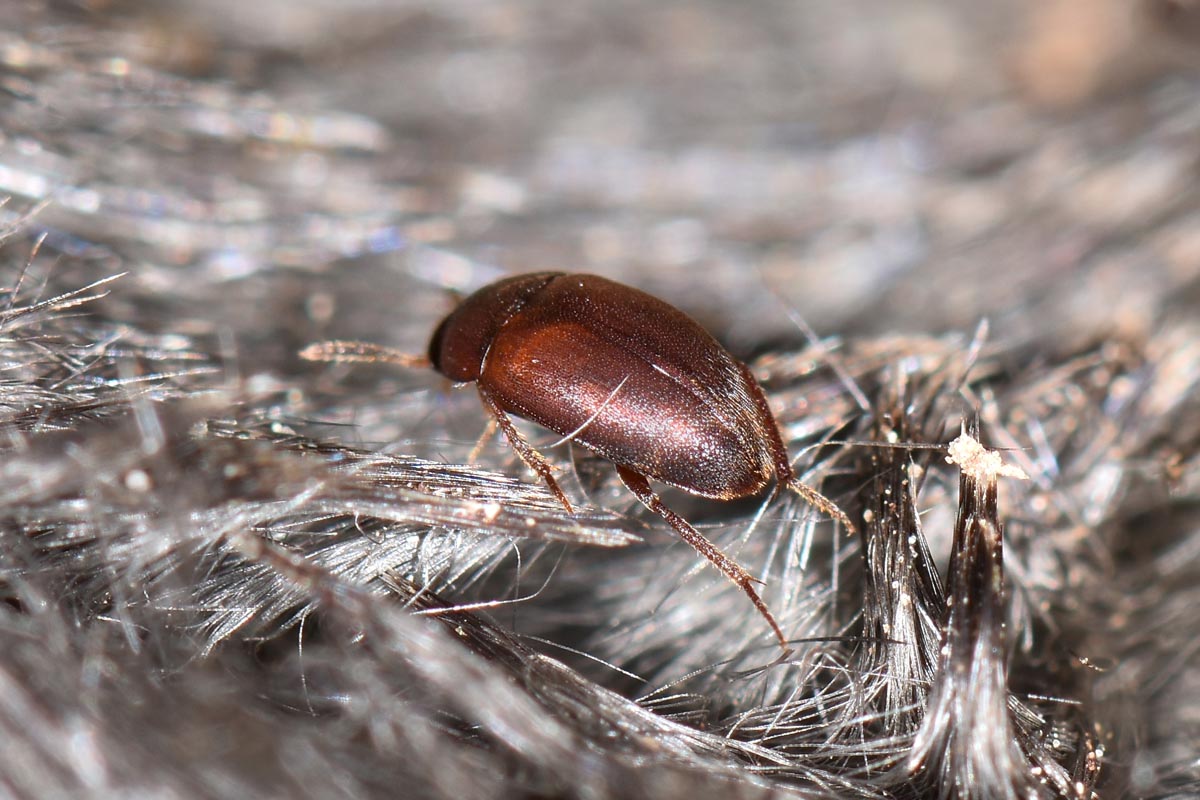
column 627, row 376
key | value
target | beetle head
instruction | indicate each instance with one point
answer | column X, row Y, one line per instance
column 460, row 343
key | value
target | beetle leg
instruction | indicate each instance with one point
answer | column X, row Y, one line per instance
column 487, row 434
column 785, row 475
column 637, row 483
column 820, row 501
column 532, row 458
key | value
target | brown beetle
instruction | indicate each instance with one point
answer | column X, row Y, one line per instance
column 625, row 375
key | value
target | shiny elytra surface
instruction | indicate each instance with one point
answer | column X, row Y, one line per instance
column 629, row 376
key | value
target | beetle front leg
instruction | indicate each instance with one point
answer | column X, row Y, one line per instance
column 637, row 483
column 532, row 458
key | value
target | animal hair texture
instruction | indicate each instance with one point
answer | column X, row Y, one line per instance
column 226, row 571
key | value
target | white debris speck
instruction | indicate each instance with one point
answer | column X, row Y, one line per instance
column 977, row 461
column 137, row 480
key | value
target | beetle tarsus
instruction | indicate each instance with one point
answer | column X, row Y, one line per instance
column 637, row 483
column 822, row 503
column 532, row 458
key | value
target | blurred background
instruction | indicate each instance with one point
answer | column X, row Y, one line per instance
column 873, row 166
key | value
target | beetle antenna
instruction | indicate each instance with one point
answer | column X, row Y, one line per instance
column 821, row 502
column 361, row 352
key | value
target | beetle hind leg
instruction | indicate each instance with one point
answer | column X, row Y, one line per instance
column 821, row 502
column 532, row 458
column 637, row 483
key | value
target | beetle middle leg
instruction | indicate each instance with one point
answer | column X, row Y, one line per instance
column 484, row 438
column 785, row 475
column 637, row 483
column 532, row 458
